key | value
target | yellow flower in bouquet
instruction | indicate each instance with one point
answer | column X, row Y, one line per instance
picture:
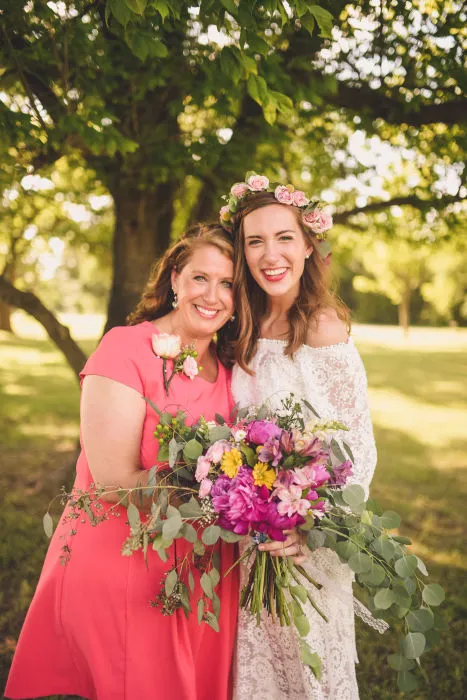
column 263, row 475
column 231, row 462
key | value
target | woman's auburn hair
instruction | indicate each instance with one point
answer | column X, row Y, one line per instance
column 156, row 300
column 314, row 297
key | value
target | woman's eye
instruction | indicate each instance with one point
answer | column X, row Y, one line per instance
column 227, row 284
column 254, row 242
column 286, row 238
column 200, row 278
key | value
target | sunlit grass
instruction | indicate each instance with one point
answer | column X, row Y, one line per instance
column 418, row 390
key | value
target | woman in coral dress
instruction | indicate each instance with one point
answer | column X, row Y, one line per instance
column 90, row 630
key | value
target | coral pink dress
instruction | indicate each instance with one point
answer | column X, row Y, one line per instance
column 90, row 630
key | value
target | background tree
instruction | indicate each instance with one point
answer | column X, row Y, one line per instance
column 164, row 100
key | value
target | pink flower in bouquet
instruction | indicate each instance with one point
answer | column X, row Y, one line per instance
column 216, row 450
column 292, row 501
column 190, row 367
column 205, row 488
column 259, row 431
column 239, row 189
column 341, row 473
column 318, row 508
column 299, row 198
column 238, row 501
column 286, row 441
column 283, row 195
column 166, row 345
column 316, row 473
column 271, row 451
column 319, row 220
column 258, row 183
column 203, row 466
column 311, row 447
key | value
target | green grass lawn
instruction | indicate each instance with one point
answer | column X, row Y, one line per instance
column 418, row 392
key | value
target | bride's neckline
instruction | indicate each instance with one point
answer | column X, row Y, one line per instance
column 278, row 341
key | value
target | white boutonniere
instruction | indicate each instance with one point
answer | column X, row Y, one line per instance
column 169, row 347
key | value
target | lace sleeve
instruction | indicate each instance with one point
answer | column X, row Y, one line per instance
column 339, row 370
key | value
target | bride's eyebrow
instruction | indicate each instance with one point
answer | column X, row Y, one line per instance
column 278, row 233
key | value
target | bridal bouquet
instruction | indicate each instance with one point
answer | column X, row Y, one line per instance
column 254, row 479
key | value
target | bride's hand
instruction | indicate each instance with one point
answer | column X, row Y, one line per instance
column 293, row 546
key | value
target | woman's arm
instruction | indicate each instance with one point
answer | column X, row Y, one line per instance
column 112, row 417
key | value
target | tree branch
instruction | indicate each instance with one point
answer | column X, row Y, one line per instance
column 411, row 200
column 57, row 332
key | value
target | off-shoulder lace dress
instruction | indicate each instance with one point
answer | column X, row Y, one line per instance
column 268, row 665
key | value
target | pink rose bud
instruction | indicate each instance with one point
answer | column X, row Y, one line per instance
column 217, row 449
column 166, row 345
column 190, row 367
column 205, row 488
column 258, row 183
column 239, row 189
column 224, row 213
column 203, row 466
column 283, row 195
column 299, row 198
column 319, row 220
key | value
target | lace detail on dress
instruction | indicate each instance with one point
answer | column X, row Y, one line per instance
column 268, row 667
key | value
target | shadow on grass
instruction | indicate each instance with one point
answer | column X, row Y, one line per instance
column 434, row 377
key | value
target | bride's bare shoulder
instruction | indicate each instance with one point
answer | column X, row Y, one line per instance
column 327, row 329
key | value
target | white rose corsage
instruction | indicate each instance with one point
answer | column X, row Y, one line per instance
column 169, row 347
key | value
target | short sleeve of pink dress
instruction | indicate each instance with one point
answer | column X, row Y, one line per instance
column 91, row 630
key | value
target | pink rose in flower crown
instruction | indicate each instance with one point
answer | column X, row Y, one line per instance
column 205, row 488
column 190, row 367
column 166, row 345
column 283, row 195
column 216, row 450
column 239, row 189
column 299, row 198
column 203, row 466
column 224, row 213
column 257, row 183
column 319, row 220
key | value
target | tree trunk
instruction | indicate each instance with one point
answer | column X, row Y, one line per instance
column 142, row 233
column 5, row 317
column 57, row 332
column 404, row 311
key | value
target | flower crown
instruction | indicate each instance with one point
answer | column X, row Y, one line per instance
column 316, row 219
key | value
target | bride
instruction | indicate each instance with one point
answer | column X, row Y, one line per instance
column 293, row 337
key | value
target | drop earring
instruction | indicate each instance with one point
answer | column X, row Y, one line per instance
column 232, row 318
column 175, row 300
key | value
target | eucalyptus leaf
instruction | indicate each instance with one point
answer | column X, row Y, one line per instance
column 211, row 619
column 302, row 624
column 192, row 450
column 216, row 605
column 406, row 681
column 206, row 584
column 133, row 516
column 219, row 419
column 360, row 563
column 335, row 447
column 433, row 594
column 400, row 663
column 200, row 607
column 421, row 567
column 315, row 539
column 230, row 537
column 413, row 645
column 189, row 533
column 406, row 566
column 199, row 548
column 211, row 534
column 172, row 526
column 348, row 450
column 192, row 509
column 310, row 408
column 173, row 452
column 170, row 582
column 390, row 520
column 48, row 524
column 420, row 620
column 354, row 496
column 185, row 598
column 191, row 581
column 166, row 418
column 384, row 599
column 214, row 576
column 374, row 577
column 219, row 432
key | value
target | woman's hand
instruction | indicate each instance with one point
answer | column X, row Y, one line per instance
column 293, row 546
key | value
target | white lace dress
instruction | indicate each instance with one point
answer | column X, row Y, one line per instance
column 268, row 665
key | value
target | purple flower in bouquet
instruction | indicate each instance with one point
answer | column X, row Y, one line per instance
column 274, row 524
column 239, row 502
column 259, row 431
column 341, row 473
column 284, row 479
column 271, row 451
column 286, row 442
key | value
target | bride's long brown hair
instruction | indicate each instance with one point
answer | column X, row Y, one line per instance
column 156, row 300
column 250, row 300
